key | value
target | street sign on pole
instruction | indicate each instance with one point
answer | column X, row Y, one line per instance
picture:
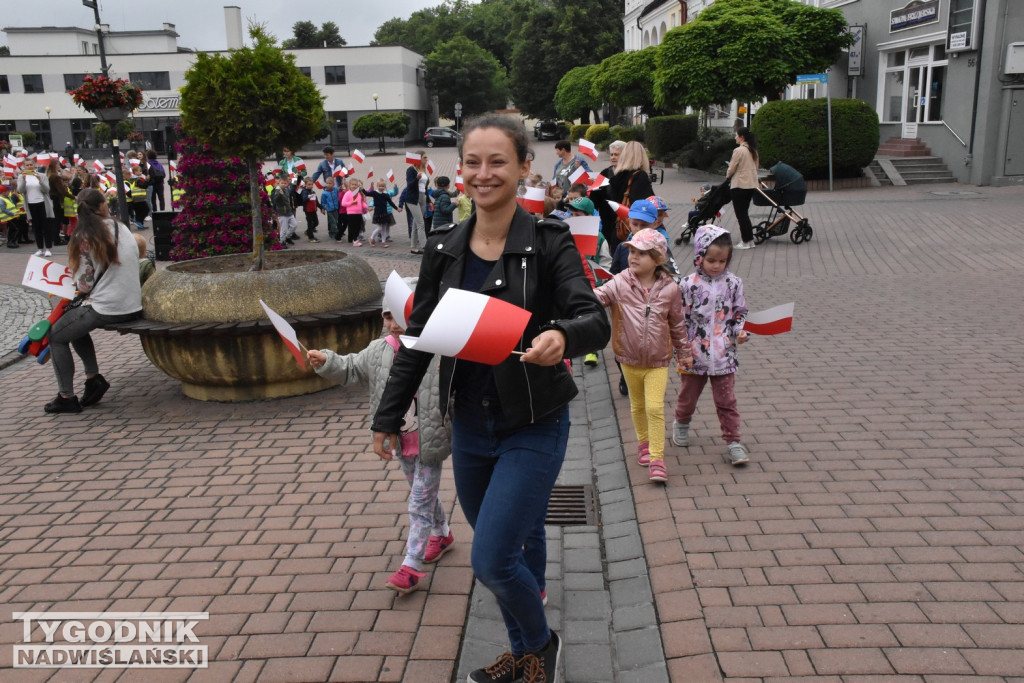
column 812, row 78
column 458, row 115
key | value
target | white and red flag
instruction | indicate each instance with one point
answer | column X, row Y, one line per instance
column 430, row 167
column 398, row 298
column 471, row 326
column 358, row 156
column 110, row 176
column 287, row 333
column 621, row 210
column 412, row 158
column 98, row 165
column 459, row 184
column 43, row 159
column 62, row 160
column 587, row 149
column 300, row 165
column 134, row 162
column 318, row 184
column 580, row 175
column 600, row 272
column 532, row 200
column 390, row 176
column 339, row 172
column 78, row 160
column 173, row 165
column 599, row 181
column 775, row 320
column 369, row 174
column 584, row 230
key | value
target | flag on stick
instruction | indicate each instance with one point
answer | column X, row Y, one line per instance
column 369, row 174
column 173, row 165
column 318, row 184
column 459, row 184
column 391, row 176
column 300, row 165
column 580, row 175
column 775, row 320
column 412, row 158
column 587, row 149
column 532, row 200
column 621, row 210
column 287, row 334
column 471, row 326
column 398, row 298
column 98, row 165
column 430, row 167
column 599, row 181
column 339, row 172
column 358, row 156
column 43, row 159
column 584, row 230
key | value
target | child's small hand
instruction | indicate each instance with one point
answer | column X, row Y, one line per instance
column 316, row 358
column 741, row 336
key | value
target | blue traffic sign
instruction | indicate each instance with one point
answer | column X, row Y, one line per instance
column 812, row 78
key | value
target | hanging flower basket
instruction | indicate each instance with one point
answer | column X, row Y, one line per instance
column 110, row 99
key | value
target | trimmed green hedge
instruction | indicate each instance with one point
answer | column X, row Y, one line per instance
column 599, row 133
column 578, row 131
column 666, row 135
column 796, row 132
column 627, row 133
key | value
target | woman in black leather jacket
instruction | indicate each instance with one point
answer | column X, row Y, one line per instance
column 510, row 422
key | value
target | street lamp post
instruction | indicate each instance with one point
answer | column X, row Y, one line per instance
column 380, row 140
column 49, row 131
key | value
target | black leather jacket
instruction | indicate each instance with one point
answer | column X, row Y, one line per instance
column 540, row 270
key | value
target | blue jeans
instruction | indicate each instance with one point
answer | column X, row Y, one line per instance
column 503, row 480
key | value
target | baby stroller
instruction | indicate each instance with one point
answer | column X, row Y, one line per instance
column 790, row 190
column 705, row 210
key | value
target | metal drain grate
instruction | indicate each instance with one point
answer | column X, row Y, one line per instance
column 572, row 506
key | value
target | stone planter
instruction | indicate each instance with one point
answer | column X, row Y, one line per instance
column 206, row 328
column 111, row 114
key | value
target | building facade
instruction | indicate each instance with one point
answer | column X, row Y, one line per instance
column 949, row 72
column 45, row 63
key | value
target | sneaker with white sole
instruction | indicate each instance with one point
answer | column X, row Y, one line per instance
column 39, row 252
column 438, row 546
column 736, row 454
column 405, row 580
column 658, row 471
column 47, row 253
column 643, row 453
column 681, row 433
column 542, row 667
column 744, row 245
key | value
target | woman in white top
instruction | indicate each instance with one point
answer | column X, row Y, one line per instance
column 742, row 174
column 104, row 258
column 36, row 190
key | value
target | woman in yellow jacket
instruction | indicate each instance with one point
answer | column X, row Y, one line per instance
column 743, row 175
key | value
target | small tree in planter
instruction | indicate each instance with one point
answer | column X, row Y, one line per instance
column 251, row 103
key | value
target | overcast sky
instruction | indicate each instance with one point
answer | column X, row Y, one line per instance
column 200, row 23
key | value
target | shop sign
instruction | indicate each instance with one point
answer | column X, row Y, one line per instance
column 915, row 13
column 855, row 67
column 161, row 103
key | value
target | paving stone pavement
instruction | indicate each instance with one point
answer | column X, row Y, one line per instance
column 876, row 534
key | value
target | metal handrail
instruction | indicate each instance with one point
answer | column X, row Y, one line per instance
column 954, row 134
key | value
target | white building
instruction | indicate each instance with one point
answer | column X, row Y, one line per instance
column 45, row 63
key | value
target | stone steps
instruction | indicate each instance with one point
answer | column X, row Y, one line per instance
column 915, row 170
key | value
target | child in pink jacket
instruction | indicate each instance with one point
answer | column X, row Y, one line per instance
column 647, row 331
column 353, row 205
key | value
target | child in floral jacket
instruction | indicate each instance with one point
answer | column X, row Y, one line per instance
column 714, row 311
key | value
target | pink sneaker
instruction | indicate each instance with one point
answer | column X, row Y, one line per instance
column 644, row 453
column 357, row 243
column 658, row 471
column 437, row 546
column 405, row 580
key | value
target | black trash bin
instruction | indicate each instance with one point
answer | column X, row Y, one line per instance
column 162, row 231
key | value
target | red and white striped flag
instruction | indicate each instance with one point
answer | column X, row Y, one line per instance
column 173, row 165
column 584, row 230
column 339, row 172
column 300, row 165
column 287, row 334
column 430, row 167
column 358, row 156
column 134, row 162
column 775, row 320
column 532, row 200
column 587, row 149
column 412, row 158
column 390, row 176
column 98, row 165
column 63, row 161
column 580, row 175
column 459, row 184
column 318, row 184
column 599, row 181
column 111, row 177
column 471, row 326
column 620, row 210
column 398, row 298
column 79, row 161
column 43, row 159
column 369, row 174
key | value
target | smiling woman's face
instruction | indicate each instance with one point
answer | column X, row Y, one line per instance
column 491, row 170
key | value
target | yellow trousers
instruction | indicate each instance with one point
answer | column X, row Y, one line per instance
column 647, row 405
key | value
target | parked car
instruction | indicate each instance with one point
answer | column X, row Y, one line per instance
column 550, row 129
column 440, row 137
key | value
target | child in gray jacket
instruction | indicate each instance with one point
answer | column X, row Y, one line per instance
column 425, row 444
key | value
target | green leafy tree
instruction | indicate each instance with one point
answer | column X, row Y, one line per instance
column 745, row 50
column 425, row 29
column 494, row 25
column 575, row 95
column 5, row 51
column 305, row 34
column 382, row 124
column 250, row 103
column 626, row 79
column 462, row 71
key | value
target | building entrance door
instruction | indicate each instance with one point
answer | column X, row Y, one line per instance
column 1014, row 153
